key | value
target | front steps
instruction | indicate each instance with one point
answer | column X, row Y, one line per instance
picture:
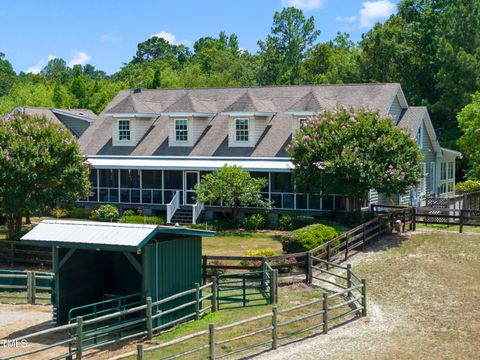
column 182, row 217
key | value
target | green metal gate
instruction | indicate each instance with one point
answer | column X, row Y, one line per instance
column 246, row 289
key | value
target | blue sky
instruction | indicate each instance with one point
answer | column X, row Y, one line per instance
column 105, row 33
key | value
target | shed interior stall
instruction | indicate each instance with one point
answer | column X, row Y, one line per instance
column 97, row 262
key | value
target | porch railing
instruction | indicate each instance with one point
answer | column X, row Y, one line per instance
column 196, row 211
column 173, row 206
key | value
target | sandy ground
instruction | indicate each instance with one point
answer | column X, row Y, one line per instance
column 423, row 303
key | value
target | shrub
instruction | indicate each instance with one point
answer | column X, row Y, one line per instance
column 59, row 212
column 256, row 253
column 105, row 212
column 255, row 222
column 129, row 212
column 79, row 213
column 290, row 222
column 467, row 186
column 138, row 219
column 307, row 238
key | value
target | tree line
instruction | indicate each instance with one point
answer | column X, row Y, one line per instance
column 431, row 47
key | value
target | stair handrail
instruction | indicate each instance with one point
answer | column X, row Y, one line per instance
column 173, row 206
column 197, row 209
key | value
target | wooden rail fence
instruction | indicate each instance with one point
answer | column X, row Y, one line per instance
column 88, row 333
column 283, row 326
column 14, row 253
column 25, row 286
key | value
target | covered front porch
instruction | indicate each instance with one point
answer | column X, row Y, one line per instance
column 168, row 184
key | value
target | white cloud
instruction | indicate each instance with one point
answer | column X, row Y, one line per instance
column 172, row 39
column 167, row 36
column 373, row 11
column 347, row 19
column 35, row 69
column 110, row 38
column 79, row 58
column 304, row 4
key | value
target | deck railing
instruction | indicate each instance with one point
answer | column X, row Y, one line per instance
column 196, row 211
column 173, row 206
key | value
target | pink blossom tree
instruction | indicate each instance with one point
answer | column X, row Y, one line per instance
column 40, row 167
column 346, row 151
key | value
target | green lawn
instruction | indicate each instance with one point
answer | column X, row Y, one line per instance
column 237, row 243
column 288, row 297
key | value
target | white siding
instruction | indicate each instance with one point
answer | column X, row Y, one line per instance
column 138, row 128
column 257, row 126
column 395, row 109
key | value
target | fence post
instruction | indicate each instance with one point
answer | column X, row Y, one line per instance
column 12, row 255
column 274, row 328
column 140, row 351
column 364, row 298
column 149, row 318
column 414, row 219
column 29, row 287
column 403, row 221
column 244, row 291
column 211, row 341
column 79, row 337
column 349, row 279
column 204, row 269
column 461, row 222
column 214, row 294
column 273, row 286
column 325, row 313
column 197, row 301
column 328, row 254
column 309, row 269
column 346, row 247
column 364, row 228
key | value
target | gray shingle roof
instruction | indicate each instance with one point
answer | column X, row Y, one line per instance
column 97, row 139
column 412, row 118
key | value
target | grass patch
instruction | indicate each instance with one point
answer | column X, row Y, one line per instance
column 288, row 297
column 237, row 243
column 451, row 228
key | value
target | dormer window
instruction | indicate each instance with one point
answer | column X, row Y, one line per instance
column 181, row 130
column 241, row 130
column 124, row 130
column 301, row 121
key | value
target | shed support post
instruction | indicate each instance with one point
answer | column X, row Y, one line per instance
column 79, row 337
column 149, row 318
column 211, row 341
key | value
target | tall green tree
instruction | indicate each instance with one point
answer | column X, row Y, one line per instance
column 157, row 48
column 282, row 53
column 7, row 75
column 41, row 168
column 469, row 123
column 335, row 61
column 347, row 151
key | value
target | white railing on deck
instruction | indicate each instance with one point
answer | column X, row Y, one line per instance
column 196, row 211
column 173, row 206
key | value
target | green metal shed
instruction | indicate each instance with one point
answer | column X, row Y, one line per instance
column 94, row 261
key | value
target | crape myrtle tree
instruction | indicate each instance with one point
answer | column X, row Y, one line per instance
column 349, row 152
column 233, row 187
column 41, row 167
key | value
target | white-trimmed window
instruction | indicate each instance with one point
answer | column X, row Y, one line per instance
column 242, row 130
column 450, row 170
column 124, row 130
column 420, row 136
column 301, row 121
column 181, row 130
column 443, row 171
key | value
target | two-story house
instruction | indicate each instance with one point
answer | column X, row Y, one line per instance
column 150, row 148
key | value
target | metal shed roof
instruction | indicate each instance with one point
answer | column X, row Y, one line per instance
column 101, row 235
